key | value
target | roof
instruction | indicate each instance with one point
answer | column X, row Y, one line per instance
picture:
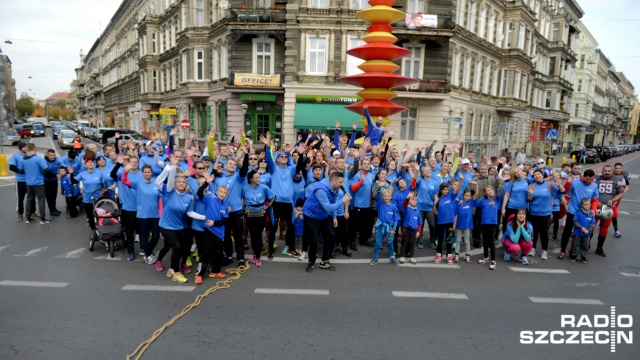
column 58, row 96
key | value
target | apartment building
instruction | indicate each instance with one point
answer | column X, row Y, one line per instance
column 583, row 121
column 8, row 87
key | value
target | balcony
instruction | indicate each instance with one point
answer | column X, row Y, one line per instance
column 258, row 15
column 427, row 86
column 510, row 104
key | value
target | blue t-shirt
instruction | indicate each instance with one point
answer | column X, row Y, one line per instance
column 411, row 218
column 128, row 195
column 388, row 213
column 489, row 214
column 52, row 166
column 34, row 168
column 16, row 159
column 254, row 198
column 519, row 191
column 446, row 209
column 147, row 195
column 464, row 215
column 234, row 183
column 174, row 213
column 427, row 190
column 541, row 204
column 578, row 191
column 91, row 184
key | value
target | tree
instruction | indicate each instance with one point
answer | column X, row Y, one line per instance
column 25, row 105
column 39, row 112
column 61, row 103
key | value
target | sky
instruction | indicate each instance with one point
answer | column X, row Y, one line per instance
column 48, row 35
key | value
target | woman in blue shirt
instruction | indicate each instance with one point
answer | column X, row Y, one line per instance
column 541, row 202
column 427, row 187
column 488, row 222
column 516, row 191
column 101, row 166
column 444, row 208
column 257, row 199
column 558, row 197
column 92, row 185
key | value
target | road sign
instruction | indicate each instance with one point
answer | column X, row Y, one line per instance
column 551, row 134
column 168, row 111
column 185, row 124
column 454, row 119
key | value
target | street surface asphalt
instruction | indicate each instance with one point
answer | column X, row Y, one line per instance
column 60, row 301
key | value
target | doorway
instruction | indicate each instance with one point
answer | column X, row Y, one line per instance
column 262, row 117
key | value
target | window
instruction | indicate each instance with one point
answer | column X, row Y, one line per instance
column 471, row 20
column 547, row 101
column 505, row 82
column 184, row 67
column 516, row 85
column 579, row 85
column 582, row 61
column 183, row 15
column 455, row 70
column 142, row 84
column 576, row 111
column 460, row 12
column 199, row 13
column 524, row 86
column 500, row 33
column 485, row 81
column 319, row 4
column 521, row 33
column 162, row 79
column 154, row 76
column 466, row 75
column 482, row 21
column 198, row 55
column 317, row 55
column 408, row 124
column 527, row 42
column 352, row 61
column 215, row 64
column 173, row 35
column 263, row 56
column 359, row 4
column 492, row 27
column 412, row 64
column 264, row 4
column 172, row 77
column 510, row 28
column 552, row 66
column 477, row 73
column 494, row 84
column 555, row 32
column 415, row 6
column 154, row 41
column 161, row 42
column 224, row 55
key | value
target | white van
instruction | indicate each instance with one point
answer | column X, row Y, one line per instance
column 42, row 120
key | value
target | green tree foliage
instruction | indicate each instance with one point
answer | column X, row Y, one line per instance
column 25, row 105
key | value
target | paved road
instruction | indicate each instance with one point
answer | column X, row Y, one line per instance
column 72, row 303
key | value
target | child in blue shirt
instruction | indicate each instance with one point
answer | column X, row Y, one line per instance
column 388, row 217
column 583, row 224
column 488, row 222
column 298, row 224
column 464, row 224
column 411, row 228
column 444, row 208
column 71, row 191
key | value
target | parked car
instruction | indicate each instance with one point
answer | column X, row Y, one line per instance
column 112, row 132
column 65, row 140
column 592, row 156
column 127, row 138
column 42, row 120
column 10, row 137
column 55, row 123
column 38, row 130
column 24, row 130
column 604, row 152
column 57, row 129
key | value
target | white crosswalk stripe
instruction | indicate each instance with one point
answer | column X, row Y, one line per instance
column 634, row 176
column 173, row 288
column 630, row 275
column 34, row 252
column 33, row 283
column 431, row 266
column 291, row 291
column 541, row 271
column 433, row 295
column 75, row 254
column 623, row 212
column 107, row 257
column 3, row 247
column 545, row 300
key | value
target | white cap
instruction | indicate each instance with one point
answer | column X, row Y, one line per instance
column 465, row 161
column 336, row 153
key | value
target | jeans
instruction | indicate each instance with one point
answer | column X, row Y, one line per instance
column 466, row 234
column 379, row 235
column 36, row 192
column 146, row 226
column 581, row 245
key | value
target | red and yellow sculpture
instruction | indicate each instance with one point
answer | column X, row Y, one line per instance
column 379, row 52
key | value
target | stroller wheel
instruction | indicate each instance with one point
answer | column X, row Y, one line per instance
column 92, row 240
column 111, row 248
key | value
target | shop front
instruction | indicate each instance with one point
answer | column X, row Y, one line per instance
column 320, row 112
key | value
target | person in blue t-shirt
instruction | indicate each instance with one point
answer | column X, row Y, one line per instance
column 216, row 218
column 388, row 218
column 34, row 170
column 541, row 203
column 584, row 221
column 257, row 199
column 375, row 130
column 411, row 228
column 517, row 237
column 71, row 192
column 489, row 205
column 464, row 224
column 516, row 193
column 92, row 186
column 15, row 165
column 145, row 214
column 444, row 210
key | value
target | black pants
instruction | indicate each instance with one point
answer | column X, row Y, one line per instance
column 174, row 240
column 313, row 229
column 129, row 222
column 408, row 243
column 147, row 226
column 88, row 209
column 256, row 225
column 361, row 222
column 341, row 233
column 21, row 193
column 540, row 228
column 444, row 233
column 235, row 228
column 72, row 204
column 476, row 234
column 51, row 193
column 34, row 192
column 566, row 234
column 556, row 222
column 488, row 234
column 280, row 210
column 210, row 251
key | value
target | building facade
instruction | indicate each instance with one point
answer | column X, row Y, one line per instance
column 8, row 86
column 583, row 123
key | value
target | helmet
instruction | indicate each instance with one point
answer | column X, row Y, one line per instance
column 541, row 161
column 604, row 213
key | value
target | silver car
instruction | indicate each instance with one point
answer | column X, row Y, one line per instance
column 10, row 137
column 65, row 140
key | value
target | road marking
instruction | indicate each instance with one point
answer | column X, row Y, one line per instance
column 623, row 212
column 3, row 185
column 432, row 266
column 3, row 247
column 33, row 283
column 108, row 257
column 158, row 288
column 291, row 291
column 543, row 300
column 625, row 200
column 34, row 252
column 415, row 294
column 634, row 176
column 633, row 275
column 543, row 271
column 75, row 254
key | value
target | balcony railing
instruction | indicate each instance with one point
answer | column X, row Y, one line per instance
column 427, row 86
column 444, row 22
column 258, row 15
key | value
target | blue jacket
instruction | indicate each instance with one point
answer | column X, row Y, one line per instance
column 216, row 211
column 587, row 221
column 412, row 219
column 70, row 189
column 516, row 235
column 298, row 224
column 374, row 133
column 322, row 202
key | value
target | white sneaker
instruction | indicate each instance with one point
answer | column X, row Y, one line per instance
column 492, row 265
column 193, row 247
column 151, row 259
column 413, row 260
column 303, row 256
column 401, row 260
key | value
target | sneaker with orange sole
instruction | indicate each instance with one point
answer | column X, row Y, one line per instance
column 198, row 280
column 217, row 275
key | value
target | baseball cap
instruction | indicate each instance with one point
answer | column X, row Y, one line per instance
column 465, row 161
column 336, row 153
column 206, row 157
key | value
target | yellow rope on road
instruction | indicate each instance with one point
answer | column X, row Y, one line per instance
column 236, row 274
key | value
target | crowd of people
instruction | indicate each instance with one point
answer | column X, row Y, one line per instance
column 223, row 200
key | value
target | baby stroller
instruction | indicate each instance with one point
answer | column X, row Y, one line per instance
column 106, row 213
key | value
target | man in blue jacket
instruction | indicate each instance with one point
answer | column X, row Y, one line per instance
column 34, row 169
column 320, row 218
column 15, row 165
column 51, row 181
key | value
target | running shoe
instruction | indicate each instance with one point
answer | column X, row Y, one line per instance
column 393, row 261
column 327, row 266
column 507, row 257
column 253, row 260
column 617, row 234
column 402, row 260
column 303, row 256
column 185, row 269
column 483, row 261
column 285, row 251
column 150, row 259
column 45, row 221
column 492, row 265
column 449, row 259
column 20, row 219
column 270, row 256
column 241, row 262
column 373, row 262
column 194, row 247
column 543, row 256
column 198, row 280
column 456, row 258
column 467, row 258
column 309, row 268
column 217, row 275
column 179, row 278
column 562, row 255
column 438, row 258
column 420, row 245
column 532, row 252
column 434, row 246
column 141, row 252
column 293, row 253
column 189, row 263
column 600, row 252
column 258, row 262
column 170, row 272
column 413, row 260
column 584, row 261
column 227, row 261
column 554, row 238
column 28, row 221
column 159, row 265
column 131, row 256
column 524, row 261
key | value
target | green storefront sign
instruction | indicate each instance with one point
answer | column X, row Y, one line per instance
column 327, row 99
column 258, row 97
